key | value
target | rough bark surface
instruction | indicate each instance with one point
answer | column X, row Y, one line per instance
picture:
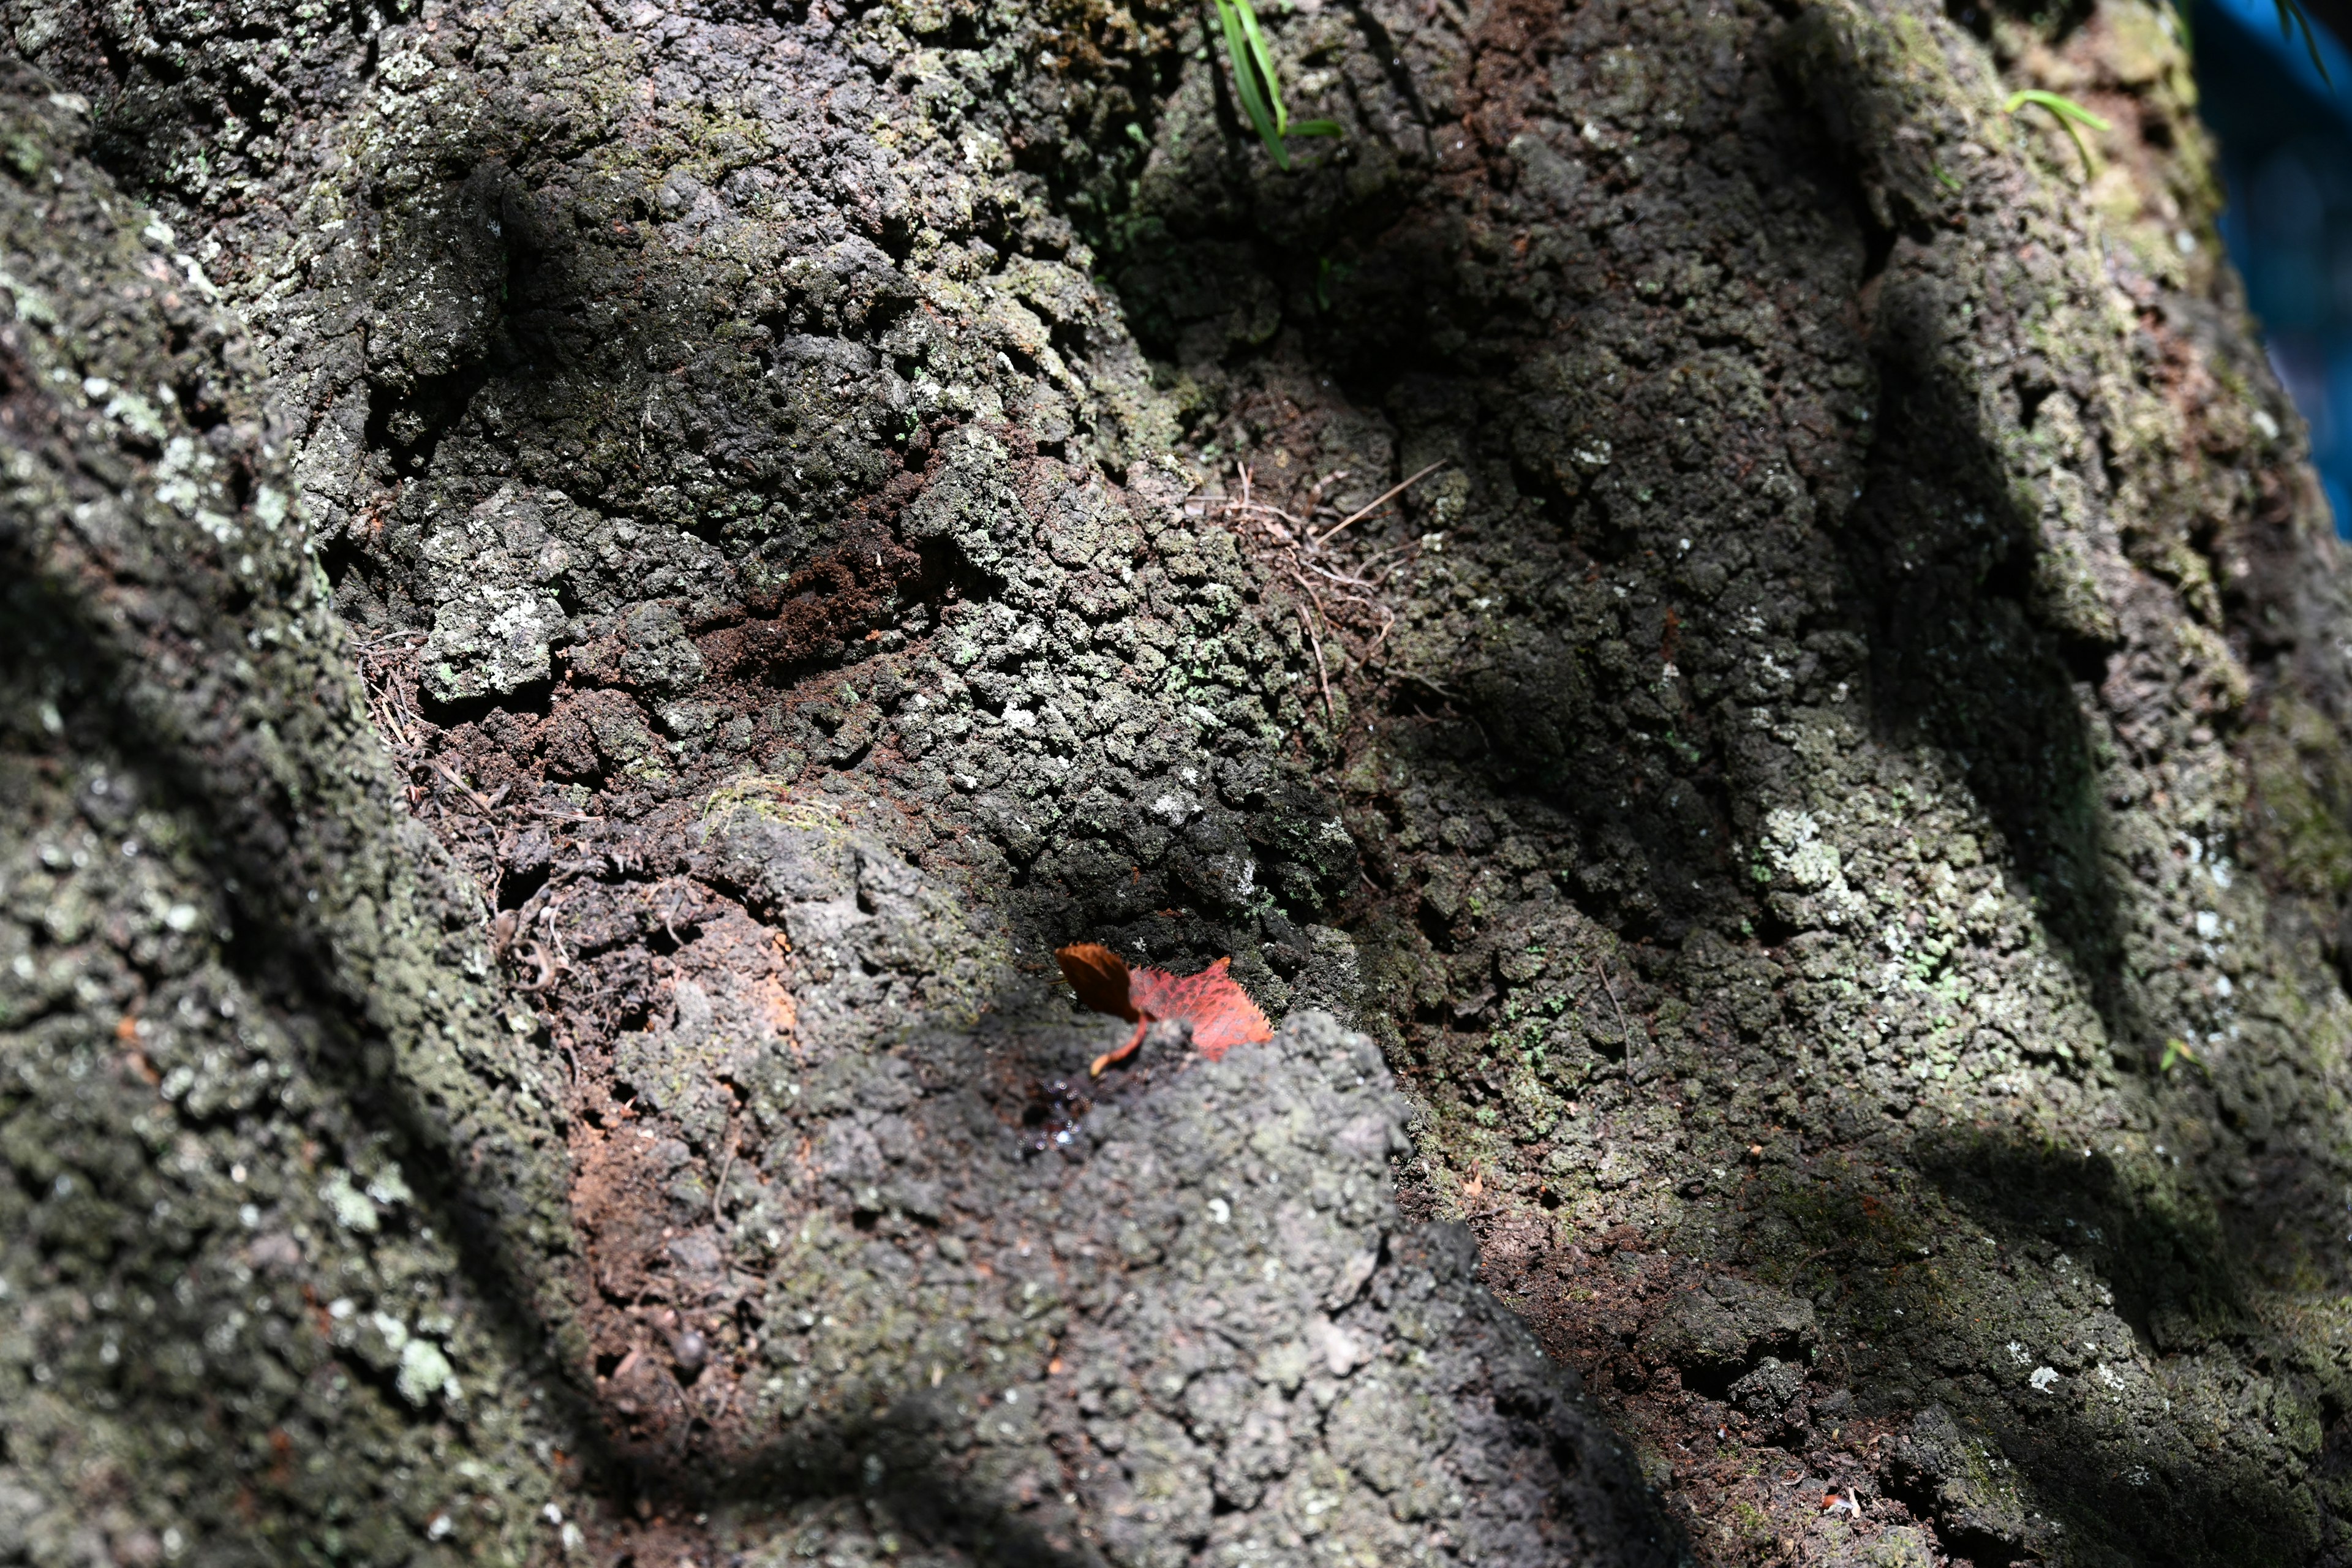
column 592, row 587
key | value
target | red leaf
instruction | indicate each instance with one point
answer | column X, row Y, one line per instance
column 1220, row 1011
column 1100, row 977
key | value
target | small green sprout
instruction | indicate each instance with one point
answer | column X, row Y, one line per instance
column 2066, row 112
column 1257, row 85
column 1327, row 272
column 2176, row 1051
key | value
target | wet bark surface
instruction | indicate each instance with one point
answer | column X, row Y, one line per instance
column 593, row 588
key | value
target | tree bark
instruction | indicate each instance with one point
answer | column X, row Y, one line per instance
column 1734, row 638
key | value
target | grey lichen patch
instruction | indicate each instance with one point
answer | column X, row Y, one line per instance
column 200, row 1219
column 229, row 1011
column 488, row 577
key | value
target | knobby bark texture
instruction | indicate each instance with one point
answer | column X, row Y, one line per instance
column 591, row 586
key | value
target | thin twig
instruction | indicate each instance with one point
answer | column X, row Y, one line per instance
column 1386, row 495
column 1418, row 680
column 1315, row 495
column 726, row 1167
column 459, row 784
column 1322, row 675
column 547, row 919
column 1347, row 580
column 1372, row 655
column 1624, row 1030
column 547, row 970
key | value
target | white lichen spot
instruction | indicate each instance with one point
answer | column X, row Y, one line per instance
column 405, row 68
column 2044, row 1378
column 129, row 408
column 388, row 1187
column 30, row 304
column 352, row 1209
column 196, row 279
column 1806, row 863
column 424, row 1372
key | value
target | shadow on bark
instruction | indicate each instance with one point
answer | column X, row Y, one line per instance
column 2172, row 1264
column 892, row 1455
column 1949, row 581
column 285, row 962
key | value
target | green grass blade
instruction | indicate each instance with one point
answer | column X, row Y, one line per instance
column 1229, row 15
column 2065, row 109
column 1263, row 58
column 2069, row 114
column 1316, row 128
column 2292, row 16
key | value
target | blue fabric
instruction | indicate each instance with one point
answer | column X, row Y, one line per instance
column 2258, row 22
column 2287, row 158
